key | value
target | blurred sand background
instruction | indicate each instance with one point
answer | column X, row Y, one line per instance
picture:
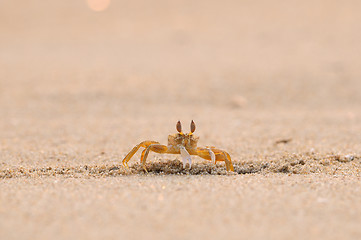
column 79, row 88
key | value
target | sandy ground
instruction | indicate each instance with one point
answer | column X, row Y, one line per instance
column 272, row 206
column 274, row 83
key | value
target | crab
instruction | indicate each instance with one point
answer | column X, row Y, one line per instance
column 184, row 144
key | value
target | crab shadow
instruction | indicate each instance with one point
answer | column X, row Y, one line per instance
column 176, row 167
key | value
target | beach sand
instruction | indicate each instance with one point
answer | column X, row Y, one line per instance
column 276, row 84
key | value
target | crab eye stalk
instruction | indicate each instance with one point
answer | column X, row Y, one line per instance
column 193, row 127
column 179, row 127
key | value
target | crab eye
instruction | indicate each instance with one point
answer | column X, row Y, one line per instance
column 193, row 127
column 179, row 127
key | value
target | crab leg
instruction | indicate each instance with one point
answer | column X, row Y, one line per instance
column 228, row 161
column 158, row 148
column 144, row 144
column 213, row 156
column 219, row 155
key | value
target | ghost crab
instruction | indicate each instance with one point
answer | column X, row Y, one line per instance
column 184, row 144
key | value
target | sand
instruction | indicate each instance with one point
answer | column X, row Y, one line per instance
column 272, row 206
column 274, row 83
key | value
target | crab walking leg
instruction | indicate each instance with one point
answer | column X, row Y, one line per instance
column 158, row 148
column 185, row 156
column 228, row 161
column 213, row 156
column 220, row 155
column 144, row 144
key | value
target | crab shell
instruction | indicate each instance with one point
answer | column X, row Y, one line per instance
column 179, row 141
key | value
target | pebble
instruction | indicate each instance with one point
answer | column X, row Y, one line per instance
column 349, row 157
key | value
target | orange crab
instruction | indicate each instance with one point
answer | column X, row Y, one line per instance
column 184, row 144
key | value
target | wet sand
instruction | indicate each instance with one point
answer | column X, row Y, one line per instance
column 274, row 84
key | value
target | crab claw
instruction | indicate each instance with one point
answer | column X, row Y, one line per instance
column 213, row 156
column 185, row 156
